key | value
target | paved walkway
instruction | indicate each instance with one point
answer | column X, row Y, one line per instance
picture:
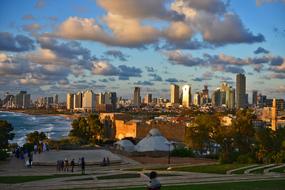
column 16, row 167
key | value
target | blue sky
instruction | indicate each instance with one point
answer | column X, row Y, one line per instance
column 49, row 47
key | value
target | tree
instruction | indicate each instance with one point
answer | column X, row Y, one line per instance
column 243, row 131
column 87, row 130
column 96, row 128
column 5, row 135
column 200, row 135
column 35, row 137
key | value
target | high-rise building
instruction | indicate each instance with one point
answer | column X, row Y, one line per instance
column 230, row 98
column 205, row 95
column 174, row 94
column 254, row 97
column 22, row 100
column 137, row 97
column 148, row 98
column 70, row 101
column 197, row 99
column 240, row 90
column 88, row 101
column 186, row 96
column 78, row 101
column 55, row 98
column 261, row 100
column 274, row 115
column 111, row 98
column 101, row 98
column 216, row 97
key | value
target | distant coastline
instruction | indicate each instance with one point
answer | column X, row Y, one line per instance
column 44, row 112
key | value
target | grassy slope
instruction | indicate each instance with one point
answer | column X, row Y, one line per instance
column 253, row 185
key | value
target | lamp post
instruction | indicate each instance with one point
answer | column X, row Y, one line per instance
column 169, row 143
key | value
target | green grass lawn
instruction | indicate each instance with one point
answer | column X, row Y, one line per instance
column 249, row 185
column 23, row 179
column 215, row 168
column 260, row 171
column 279, row 170
column 243, row 170
column 119, row 176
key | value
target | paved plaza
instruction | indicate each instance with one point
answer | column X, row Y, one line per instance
column 91, row 156
column 15, row 167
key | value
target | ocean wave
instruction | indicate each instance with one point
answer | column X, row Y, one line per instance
column 56, row 127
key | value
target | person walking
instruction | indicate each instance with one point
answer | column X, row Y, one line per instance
column 83, row 165
column 72, row 165
column 30, row 156
column 65, row 165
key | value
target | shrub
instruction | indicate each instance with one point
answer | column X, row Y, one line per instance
column 182, row 152
column 3, row 154
column 245, row 159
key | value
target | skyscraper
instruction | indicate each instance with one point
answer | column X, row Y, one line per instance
column 205, row 95
column 111, row 98
column 240, row 90
column 88, row 101
column 22, row 100
column 274, row 115
column 186, row 96
column 70, row 101
column 216, row 97
column 148, row 98
column 174, row 94
column 254, row 97
column 137, row 97
column 197, row 99
column 78, row 101
column 230, row 98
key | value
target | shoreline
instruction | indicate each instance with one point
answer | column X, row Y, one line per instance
column 40, row 112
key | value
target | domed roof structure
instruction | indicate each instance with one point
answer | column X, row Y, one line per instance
column 154, row 132
column 125, row 145
column 154, row 141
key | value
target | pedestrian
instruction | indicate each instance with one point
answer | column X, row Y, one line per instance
column 72, row 163
column 30, row 156
column 65, row 165
column 35, row 148
column 154, row 184
column 104, row 162
column 107, row 161
column 62, row 165
column 58, row 165
column 82, row 165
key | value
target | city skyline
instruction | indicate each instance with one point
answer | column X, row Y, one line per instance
column 51, row 48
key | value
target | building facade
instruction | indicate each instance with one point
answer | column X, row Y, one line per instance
column 186, row 96
column 174, row 94
column 240, row 90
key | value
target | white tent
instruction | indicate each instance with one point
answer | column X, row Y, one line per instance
column 154, row 141
column 125, row 145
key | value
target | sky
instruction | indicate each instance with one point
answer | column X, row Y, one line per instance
column 49, row 46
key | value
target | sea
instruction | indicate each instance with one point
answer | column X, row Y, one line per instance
column 55, row 127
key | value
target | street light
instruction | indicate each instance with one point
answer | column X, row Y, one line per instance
column 169, row 143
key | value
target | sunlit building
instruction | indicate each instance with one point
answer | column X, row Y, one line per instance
column 70, row 101
column 137, row 97
column 240, row 90
column 174, row 94
column 186, row 96
column 88, row 101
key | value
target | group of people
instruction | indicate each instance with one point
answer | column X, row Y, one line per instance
column 105, row 162
column 63, row 165
column 41, row 147
column 24, row 154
